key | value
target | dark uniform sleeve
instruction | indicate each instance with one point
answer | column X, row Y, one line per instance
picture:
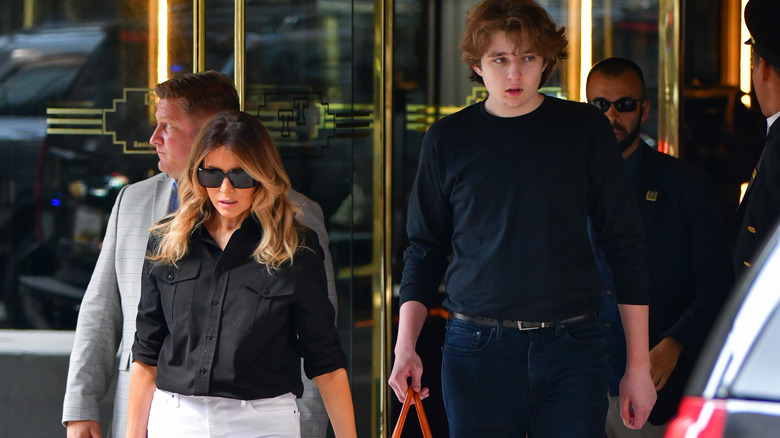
column 709, row 264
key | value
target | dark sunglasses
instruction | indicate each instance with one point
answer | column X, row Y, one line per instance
column 212, row 178
column 623, row 105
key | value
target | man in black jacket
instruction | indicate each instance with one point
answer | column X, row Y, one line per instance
column 760, row 208
column 689, row 258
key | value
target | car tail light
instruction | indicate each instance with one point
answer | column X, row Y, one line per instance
column 698, row 418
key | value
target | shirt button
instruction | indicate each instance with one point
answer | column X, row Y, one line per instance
column 215, row 302
column 752, row 229
column 170, row 276
column 209, row 337
column 203, row 371
column 609, row 325
column 609, row 291
column 221, row 269
column 266, row 292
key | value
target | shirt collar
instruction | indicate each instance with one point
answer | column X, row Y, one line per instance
column 770, row 121
column 241, row 245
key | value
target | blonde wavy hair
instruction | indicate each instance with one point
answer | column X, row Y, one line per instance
column 251, row 143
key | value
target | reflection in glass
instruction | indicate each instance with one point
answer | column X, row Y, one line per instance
column 629, row 29
column 66, row 127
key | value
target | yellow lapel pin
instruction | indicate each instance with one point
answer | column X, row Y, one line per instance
column 651, row 195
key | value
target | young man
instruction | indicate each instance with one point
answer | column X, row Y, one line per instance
column 688, row 249
column 505, row 188
column 759, row 210
column 106, row 324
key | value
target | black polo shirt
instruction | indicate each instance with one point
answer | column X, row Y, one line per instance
column 220, row 324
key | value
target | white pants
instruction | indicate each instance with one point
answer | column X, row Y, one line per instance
column 616, row 428
column 174, row 415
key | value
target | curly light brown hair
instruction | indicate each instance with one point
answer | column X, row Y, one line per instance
column 523, row 21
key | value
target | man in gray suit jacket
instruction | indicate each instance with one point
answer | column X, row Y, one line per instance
column 106, row 323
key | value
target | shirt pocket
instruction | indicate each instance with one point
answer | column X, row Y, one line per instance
column 177, row 289
column 261, row 305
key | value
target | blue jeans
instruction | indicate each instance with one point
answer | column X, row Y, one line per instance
column 501, row 382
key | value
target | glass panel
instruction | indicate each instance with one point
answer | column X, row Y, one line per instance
column 629, row 29
column 67, row 86
column 220, row 21
column 74, row 126
column 723, row 129
column 309, row 79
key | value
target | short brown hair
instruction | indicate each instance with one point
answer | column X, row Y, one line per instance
column 203, row 93
column 523, row 21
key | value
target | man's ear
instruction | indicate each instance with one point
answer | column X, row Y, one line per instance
column 644, row 111
column 764, row 69
column 476, row 69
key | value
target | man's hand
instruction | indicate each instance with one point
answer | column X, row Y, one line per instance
column 407, row 364
column 637, row 398
column 637, row 393
column 663, row 360
column 84, row 429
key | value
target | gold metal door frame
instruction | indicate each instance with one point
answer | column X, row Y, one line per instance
column 239, row 50
column 383, row 282
column 239, row 43
column 669, row 77
column 198, row 35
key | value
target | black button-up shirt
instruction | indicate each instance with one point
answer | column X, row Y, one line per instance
column 220, row 324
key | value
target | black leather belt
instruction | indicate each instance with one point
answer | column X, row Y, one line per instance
column 517, row 325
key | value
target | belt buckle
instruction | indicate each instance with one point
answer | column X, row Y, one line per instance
column 521, row 328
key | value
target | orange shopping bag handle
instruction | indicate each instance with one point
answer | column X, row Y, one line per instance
column 399, row 426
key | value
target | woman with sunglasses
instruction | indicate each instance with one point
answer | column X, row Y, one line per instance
column 234, row 294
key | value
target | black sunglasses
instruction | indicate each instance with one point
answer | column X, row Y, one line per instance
column 623, row 105
column 212, row 178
